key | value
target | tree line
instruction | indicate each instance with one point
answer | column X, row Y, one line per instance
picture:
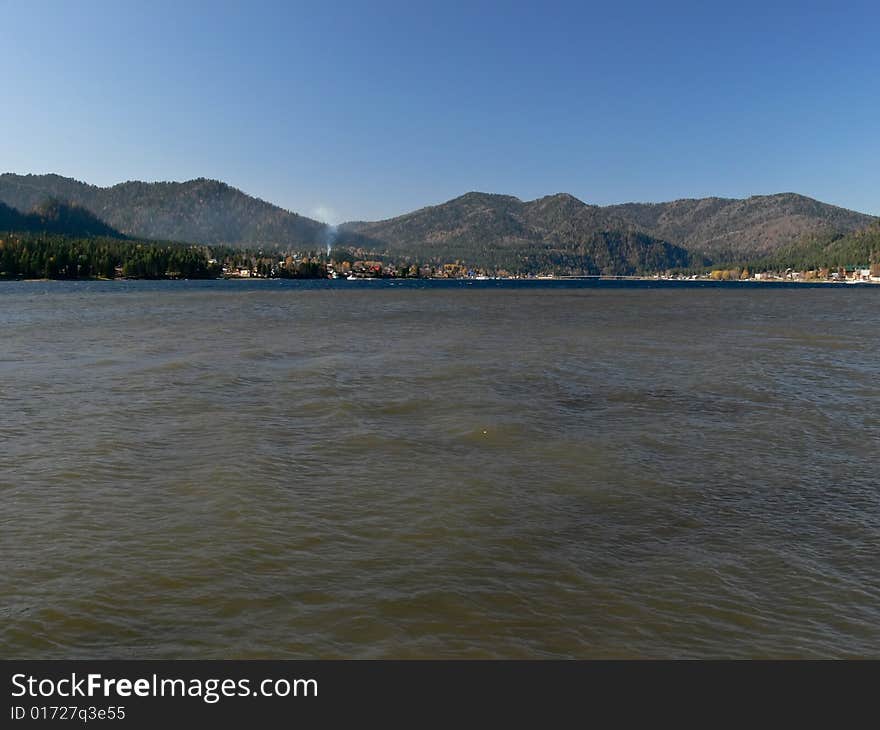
column 828, row 250
column 47, row 256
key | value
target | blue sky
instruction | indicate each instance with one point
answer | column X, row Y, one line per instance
column 370, row 109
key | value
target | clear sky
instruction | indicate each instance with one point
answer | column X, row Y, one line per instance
column 369, row 109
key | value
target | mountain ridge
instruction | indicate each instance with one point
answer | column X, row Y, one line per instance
column 200, row 210
column 475, row 226
column 715, row 228
column 556, row 233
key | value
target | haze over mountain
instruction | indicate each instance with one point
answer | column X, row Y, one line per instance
column 557, row 231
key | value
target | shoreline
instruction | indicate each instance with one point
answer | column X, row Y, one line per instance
column 494, row 280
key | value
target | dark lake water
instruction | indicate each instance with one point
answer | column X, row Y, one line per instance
column 317, row 470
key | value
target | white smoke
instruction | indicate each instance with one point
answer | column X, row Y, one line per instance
column 328, row 217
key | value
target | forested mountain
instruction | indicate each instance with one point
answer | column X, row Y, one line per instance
column 198, row 211
column 556, row 233
column 724, row 229
column 12, row 220
column 710, row 229
column 51, row 216
column 827, row 250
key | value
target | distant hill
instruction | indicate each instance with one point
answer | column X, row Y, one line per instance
column 710, row 229
column 52, row 216
column 733, row 229
column 197, row 211
column 556, row 233
column 476, row 219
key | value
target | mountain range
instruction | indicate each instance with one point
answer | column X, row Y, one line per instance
column 556, row 231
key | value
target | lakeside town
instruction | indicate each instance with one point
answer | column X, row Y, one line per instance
column 317, row 267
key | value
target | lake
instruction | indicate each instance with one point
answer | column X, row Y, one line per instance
column 281, row 469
